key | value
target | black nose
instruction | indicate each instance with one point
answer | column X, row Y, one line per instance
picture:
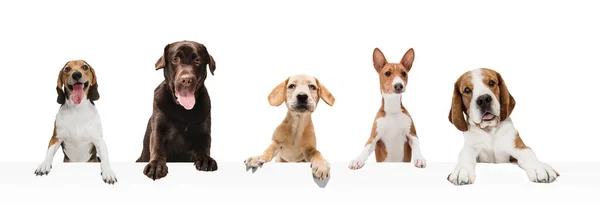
column 76, row 75
column 398, row 86
column 302, row 98
column 484, row 101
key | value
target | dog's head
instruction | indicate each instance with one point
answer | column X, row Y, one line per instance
column 393, row 77
column 301, row 93
column 77, row 81
column 184, row 64
column 482, row 95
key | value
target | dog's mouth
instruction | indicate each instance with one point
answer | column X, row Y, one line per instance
column 77, row 91
column 487, row 116
column 186, row 98
column 302, row 107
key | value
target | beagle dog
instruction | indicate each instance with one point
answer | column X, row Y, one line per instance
column 393, row 135
column 294, row 139
column 489, row 133
column 77, row 127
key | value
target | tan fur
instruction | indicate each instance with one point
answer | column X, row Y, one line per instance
column 294, row 139
column 519, row 144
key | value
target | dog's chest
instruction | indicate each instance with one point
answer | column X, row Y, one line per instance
column 491, row 147
column 78, row 126
column 393, row 130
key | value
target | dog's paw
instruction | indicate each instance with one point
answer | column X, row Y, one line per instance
column 320, row 169
column 208, row 164
column 419, row 162
column 254, row 162
column 462, row 176
column 156, row 170
column 542, row 173
column 43, row 169
column 356, row 164
column 108, row 176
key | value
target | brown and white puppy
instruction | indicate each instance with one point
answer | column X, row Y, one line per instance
column 489, row 133
column 393, row 136
column 294, row 139
column 77, row 128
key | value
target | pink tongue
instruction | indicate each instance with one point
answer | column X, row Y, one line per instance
column 77, row 94
column 488, row 116
column 186, row 99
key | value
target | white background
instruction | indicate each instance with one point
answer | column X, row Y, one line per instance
column 546, row 51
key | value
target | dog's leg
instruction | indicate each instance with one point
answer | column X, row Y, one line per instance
column 157, row 167
column 536, row 170
column 201, row 155
column 320, row 166
column 45, row 167
column 107, row 173
column 464, row 172
column 359, row 162
column 267, row 156
column 418, row 159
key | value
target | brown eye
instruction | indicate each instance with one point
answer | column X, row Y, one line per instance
column 67, row 69
column 176, row 59
column 467, row 90
column 388, row 73
column 85, row 67
column 492, row 83
column 312, row 87
column 197, row 61
column 403, row 74
column 291, row 86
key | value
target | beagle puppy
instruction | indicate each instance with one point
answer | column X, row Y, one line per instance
column 77, row 127
column 294, row 139
column 393, row 136
column 489, row 133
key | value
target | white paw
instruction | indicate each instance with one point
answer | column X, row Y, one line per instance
column 109, row 176
column 462, row 176
column 43, row 169
column 356, row 164
column 254, row 162
column 542, row 173
column 419, row 162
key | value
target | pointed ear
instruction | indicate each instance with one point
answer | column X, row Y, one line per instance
column 507, row 102
column 277, row 96
column 408, row 59
column 93, row 94
column 378, row 60
column 325, row 94
column 212, row 65
column 161, row 62
column 456, row 115
column 59, row 87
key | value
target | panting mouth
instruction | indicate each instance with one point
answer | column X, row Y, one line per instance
column 488, row 116
column 77, row 91
column 78, row 85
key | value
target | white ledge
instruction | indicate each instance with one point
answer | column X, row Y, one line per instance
column 291, row 183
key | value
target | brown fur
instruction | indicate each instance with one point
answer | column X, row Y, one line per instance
column 519, row 144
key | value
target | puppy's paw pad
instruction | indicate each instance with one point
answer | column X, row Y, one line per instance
column 542, row 173
column 207, row 165
column 43, row 169
column 320, row 169
column 356, row 164
column 156, row 170
column 461, row 176
column 420, row 162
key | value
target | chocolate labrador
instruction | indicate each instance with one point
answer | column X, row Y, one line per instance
column 179, row 128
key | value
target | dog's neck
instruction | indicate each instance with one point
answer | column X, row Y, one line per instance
column 297, row 123
column 392, row 103
column 69, row 104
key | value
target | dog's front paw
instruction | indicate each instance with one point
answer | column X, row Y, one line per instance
column 208, row 164
column 462, row 176
column 320, row 169
column 156, row 169
column 108, row 176
column 43, row 169
column 542, row 173
column 419, row 162
column 356, row 164
column 254, row 162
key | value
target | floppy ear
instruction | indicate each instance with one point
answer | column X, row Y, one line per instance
column 212, row 65
column 277, row 96
column 507, row 102
column 378, row 60
column 59, row 88
column 456, row 116
column 161, row 62
column 325, row 94
column 93, row 91
column 408, row 59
